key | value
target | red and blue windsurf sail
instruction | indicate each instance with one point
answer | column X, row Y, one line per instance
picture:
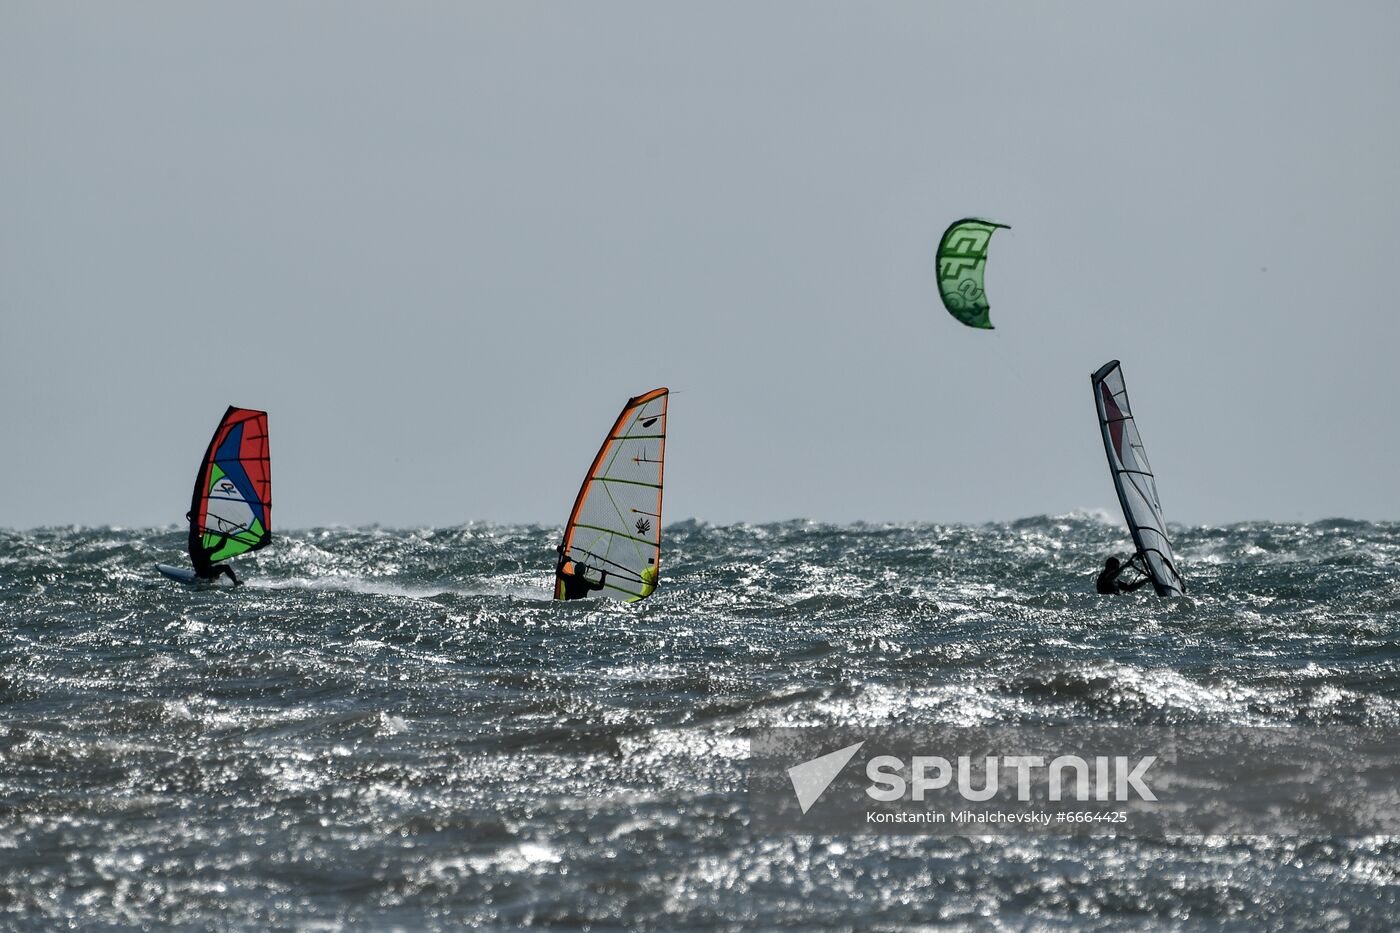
column 231, row 512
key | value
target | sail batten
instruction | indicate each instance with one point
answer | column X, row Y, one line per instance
column 1134, row 480
column 612, row 541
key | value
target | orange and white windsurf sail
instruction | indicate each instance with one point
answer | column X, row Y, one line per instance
column 612, row 543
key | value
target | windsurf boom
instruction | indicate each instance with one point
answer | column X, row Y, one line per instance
column 612, row 542
column 1133, row 478
column 231, row 512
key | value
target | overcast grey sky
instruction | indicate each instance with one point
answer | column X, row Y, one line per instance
column 442, row 243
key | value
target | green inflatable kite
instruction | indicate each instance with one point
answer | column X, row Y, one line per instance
column 962, row 260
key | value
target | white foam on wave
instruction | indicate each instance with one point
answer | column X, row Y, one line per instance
column 661, row 745
column 523, row 857
column 370, row 587
column 887, row 704
column 1097, row 515
column 390, row 724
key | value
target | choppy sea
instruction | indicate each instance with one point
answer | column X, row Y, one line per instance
column 398, row 728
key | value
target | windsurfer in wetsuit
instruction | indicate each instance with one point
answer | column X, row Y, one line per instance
column 1108, row 582
column 214, row 571
column 206, row 569
column 576, row 585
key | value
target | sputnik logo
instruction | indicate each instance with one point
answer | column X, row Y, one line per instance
column 811, row 778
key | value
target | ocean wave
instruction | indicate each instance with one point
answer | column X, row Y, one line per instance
column 403, row 721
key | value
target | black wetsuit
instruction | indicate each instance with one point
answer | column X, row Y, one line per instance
column 214, row 571
column 576, row 585
column 1109, row 584
column 207, row 570
column 204, row 568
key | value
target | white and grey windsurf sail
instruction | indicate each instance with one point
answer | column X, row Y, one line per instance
column 612, row 542
column 1134, row 480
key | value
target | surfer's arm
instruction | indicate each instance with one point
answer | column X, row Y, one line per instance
column 1136, row 584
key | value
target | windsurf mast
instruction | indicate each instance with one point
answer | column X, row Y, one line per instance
column 1134, row 480
column 231, row 510
column 612, row 542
